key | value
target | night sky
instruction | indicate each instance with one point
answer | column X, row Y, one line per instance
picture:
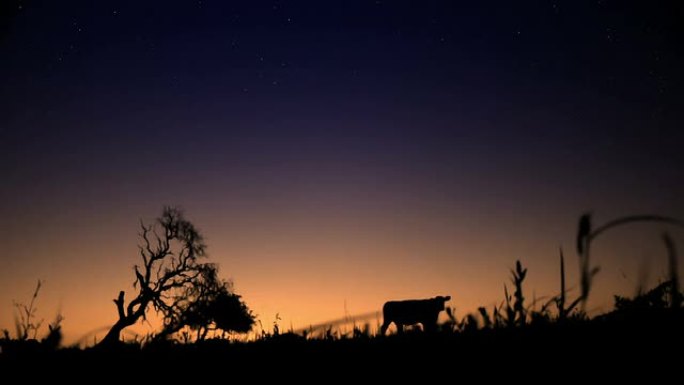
column 336, row 154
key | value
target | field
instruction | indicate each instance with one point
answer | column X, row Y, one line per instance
column 643, row 336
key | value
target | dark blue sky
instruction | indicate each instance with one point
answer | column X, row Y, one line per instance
column 502, row 121
column 416, row 80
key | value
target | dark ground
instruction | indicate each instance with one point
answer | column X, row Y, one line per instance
column 613, row 348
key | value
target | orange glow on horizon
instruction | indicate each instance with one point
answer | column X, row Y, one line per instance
column 336, row 157
column 316, row 272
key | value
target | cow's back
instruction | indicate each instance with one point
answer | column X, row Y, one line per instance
column 407, row 312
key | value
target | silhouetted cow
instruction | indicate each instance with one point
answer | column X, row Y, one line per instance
column 411, row 312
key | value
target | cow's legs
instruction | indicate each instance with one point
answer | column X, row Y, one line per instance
column 429, row 327
column 384, row 327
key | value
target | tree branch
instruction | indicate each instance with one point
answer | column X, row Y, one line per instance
column 119, row 301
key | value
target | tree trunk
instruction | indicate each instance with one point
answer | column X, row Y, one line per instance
column 114, row 335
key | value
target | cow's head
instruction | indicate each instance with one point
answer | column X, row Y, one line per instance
column 440, row 301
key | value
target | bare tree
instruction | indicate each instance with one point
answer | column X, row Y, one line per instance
column 170, row 250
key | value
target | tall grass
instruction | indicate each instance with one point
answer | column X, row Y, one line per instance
column 25, row 320
column 585, row 236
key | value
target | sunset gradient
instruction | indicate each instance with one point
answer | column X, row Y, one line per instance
column 336, row 157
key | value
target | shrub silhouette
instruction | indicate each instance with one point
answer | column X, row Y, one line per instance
column 207, row 305
column 658, row 298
